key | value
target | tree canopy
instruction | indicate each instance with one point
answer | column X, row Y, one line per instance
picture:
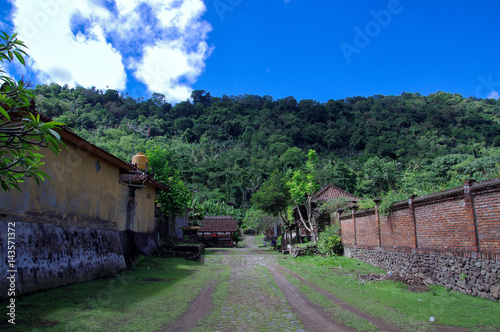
column 226, row 148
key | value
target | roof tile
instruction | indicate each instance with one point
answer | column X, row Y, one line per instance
column 219, row 224
column 331, row 192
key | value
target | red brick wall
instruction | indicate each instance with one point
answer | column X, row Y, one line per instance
column 444, row 221
column 397, row 229
column 347, row 229
column 367, row 230
column 487, row 211
column 442, row 225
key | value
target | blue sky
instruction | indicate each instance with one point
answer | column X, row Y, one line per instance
column 317, row 50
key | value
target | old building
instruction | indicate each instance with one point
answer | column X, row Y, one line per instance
column 218, row 230
column 92, row 219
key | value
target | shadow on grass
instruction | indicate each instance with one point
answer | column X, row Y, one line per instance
column 151, row 280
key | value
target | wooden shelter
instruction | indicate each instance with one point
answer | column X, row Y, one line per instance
column 218, row 231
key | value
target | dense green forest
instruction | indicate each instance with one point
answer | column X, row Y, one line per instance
column 225, row 148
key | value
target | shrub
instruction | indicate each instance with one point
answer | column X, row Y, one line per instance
column 236, row 237
column 329, row 241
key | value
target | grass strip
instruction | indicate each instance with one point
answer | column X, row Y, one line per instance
column 392, row 301
column 147, row 297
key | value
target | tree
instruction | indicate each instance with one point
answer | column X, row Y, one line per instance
column 22, row 133
column 302, row 188
column 260, row 221
column 195, row 212
column 379, row 176
column 218, row 208
column 176, row 201
column 274, row 198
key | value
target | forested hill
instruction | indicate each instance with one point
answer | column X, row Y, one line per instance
column 225, row 147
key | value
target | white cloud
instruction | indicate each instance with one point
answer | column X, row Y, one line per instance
column 172, row 64
column 493, row 95
column 169, row 69
column 60, row 56
column 83, row 42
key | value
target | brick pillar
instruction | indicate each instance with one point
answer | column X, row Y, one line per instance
column 411, row 211
column 354, row 208
column 377, row 216
column 471, row 216
column 340, row 211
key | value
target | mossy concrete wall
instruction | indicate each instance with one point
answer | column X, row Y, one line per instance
column 51, row 255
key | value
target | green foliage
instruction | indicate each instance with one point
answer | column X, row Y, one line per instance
column 236, row 237
column 389, row 199
column 366, row 203
column 227, row 147
column 176, row 200
column 333, row 205
column 302, row 187
column 196, row 212
column 273, row 197
column 22, row 133
column 379, row 175
column 260, row 221
column 302, row 184
column 329, row 242
column 218, row 208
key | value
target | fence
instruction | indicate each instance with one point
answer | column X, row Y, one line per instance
column 420, row 234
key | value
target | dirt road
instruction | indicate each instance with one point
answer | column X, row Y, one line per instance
column 258, row 296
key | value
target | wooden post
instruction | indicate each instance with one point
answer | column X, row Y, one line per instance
column 471, row 216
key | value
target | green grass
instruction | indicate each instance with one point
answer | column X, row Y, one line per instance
column 392, row 301
column 129, row 302
column 302, row 245
column 123, row 302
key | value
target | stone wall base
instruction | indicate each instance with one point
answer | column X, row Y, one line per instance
column 51, row 255
column 474, row 276
column 136, row 244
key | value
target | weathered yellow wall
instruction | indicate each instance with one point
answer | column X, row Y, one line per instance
column 77, row 191
column 80, row 195
column 143, row 219
column 121, row 207
column 145, row 209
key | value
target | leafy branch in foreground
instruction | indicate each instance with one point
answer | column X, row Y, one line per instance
column 21, row 132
